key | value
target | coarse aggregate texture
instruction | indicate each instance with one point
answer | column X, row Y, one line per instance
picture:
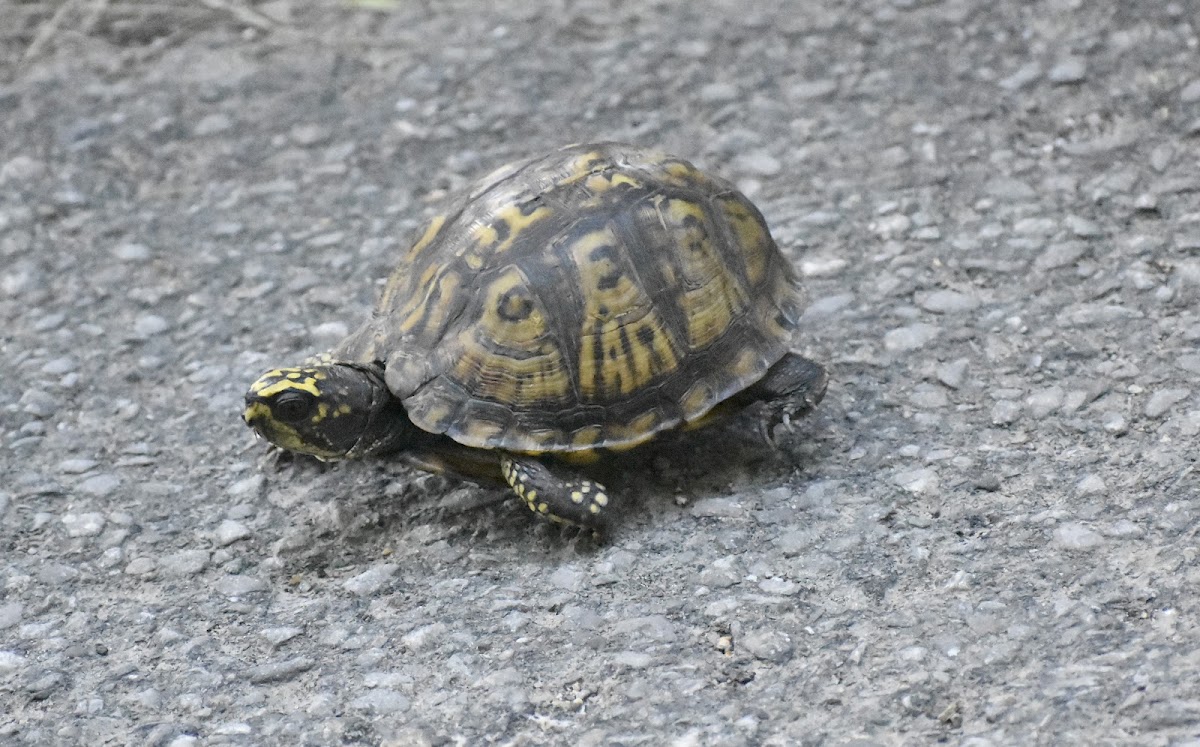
column 985, row 535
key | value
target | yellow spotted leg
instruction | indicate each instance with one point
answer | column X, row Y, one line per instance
column 566, row 500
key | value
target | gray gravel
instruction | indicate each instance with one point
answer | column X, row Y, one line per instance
column 986, row 535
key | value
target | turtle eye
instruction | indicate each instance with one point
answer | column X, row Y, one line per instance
column 293, row 406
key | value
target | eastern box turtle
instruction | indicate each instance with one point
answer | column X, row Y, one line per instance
column 563, row 308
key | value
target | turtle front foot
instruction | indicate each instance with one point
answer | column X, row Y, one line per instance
column 575, row 501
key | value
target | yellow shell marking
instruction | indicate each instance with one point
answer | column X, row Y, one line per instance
column 623, row 347
column 447, row 286
column 582, row 167
column 599, row 183
column 712, row 296
column 431, row 232
column 751, row 235
column 514, row 219
column 511, row 321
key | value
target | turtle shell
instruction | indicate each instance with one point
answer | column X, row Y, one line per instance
column 589, row 298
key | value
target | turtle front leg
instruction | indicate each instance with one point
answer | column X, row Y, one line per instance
column 566, row 500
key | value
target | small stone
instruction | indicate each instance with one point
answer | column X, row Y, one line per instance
column 1068, row 70
column 230, row 531
column 1007, row 188
column 425, row 637
column 1035, row 227
column 1060, row 255
column 231, row 585
column 780, row 586
column 59, row 366
column 768, row 645
column 896, row 224
column 131, row 252
column 911, row 337
column 953, row 374
column 83, row 525
column 821, row 267
column 329, row 333
column 828, row 305
column 1161, row 402
column 247, row 487
column 382, row 701
column 947, row 302
column 813, row 89
column 184, row 740
column 371, row 581
column 1091, row 485
column 1190, row 93
column 10, row 614
column 77, row 466
column 727, row 508
column 149, row 325
column 184, row 563
column 1114, row 423
column 1074, row 536
column 140, row 567
column 759, row 163
column 279, row 636
column 10, row 661
column 920, row 481
column 1005, row 412
column 56, row 574
column 100, row 486
column 633, row 659
column 1083, row 227
column 1146, row 202
column 1024, row 76
column 718, row 93
column 1042, row 403
column 568, row 578
column 212, row 124
column 307, row 135
column 282, row 671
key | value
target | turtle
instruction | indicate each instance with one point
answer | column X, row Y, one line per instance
column 562, row 310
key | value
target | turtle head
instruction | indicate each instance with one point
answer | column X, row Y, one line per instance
column 331, row 411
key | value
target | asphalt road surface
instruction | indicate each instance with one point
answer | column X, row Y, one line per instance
column 985, row 535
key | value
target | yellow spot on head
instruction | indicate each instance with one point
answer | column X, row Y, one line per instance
column 600, row 499
column 576, row 496
column 543, row 508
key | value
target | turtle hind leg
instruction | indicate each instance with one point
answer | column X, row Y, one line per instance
column 790, row 389
column 566, row 500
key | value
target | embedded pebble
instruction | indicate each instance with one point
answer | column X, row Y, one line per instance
column 1075, row 536
column 1035, row 227
column 1114, row 423
column 10, row 614
column 280, row 635
column 1043, row 402
column 231, row 585
column 1190, row 93
column 1161, row 402
column 247, row 487
column 918, row 481
column 759, row 162
column 1083, row 227
column 954, row 373
column 568, row 577
column 718, row 507
column 55, row 574
column 768, row 645
column 308, row 135
column 100, row 486
column 1068, row 70
column 382, row 701
column 230, row 531
column 1189, row 363
column 149, row 325
column 83, row 525
column 1008, row 188
column 10, row 661
column 131, row 252
column 425, row 637
column 212, row 124
column 1091, row 485
column 184, row 563
column 372, row 580
column 947, row 302
column 780, row 586
column 819, row 267
column 76, row 466
column 1060, row 255
column 281, row 671
column 651, row 627
column 633, row 659
column 911, row 337
column 1005, row 412
column 140, row 567
column 828, row 305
